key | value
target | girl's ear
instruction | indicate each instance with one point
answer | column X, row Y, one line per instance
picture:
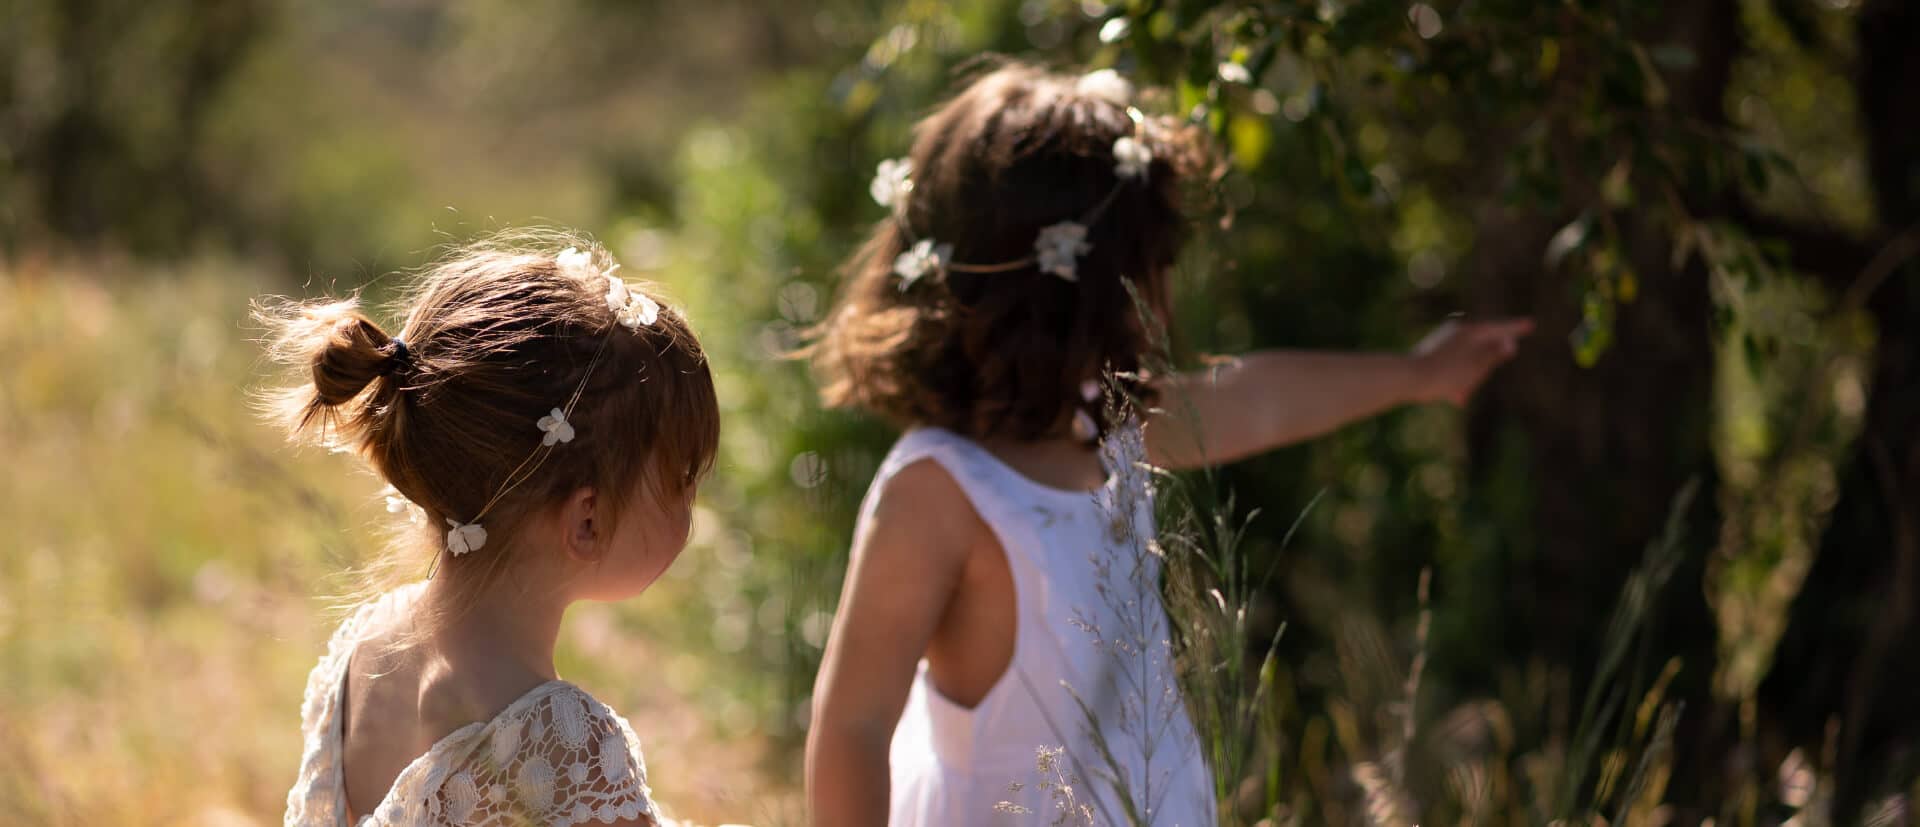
column 580, row 526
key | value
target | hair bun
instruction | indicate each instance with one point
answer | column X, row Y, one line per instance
column 356, row 352
column 341, row 351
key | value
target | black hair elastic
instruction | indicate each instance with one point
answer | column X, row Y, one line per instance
column 399, row 359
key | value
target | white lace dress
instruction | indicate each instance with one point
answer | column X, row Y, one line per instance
column 555, row 756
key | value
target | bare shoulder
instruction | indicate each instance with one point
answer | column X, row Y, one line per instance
column 923, row 501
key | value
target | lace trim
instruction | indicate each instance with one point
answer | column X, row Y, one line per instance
column 318, row 796
column 555, row 756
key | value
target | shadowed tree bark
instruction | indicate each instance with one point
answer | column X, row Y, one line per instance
column 1608, row 446
column 1846, row 659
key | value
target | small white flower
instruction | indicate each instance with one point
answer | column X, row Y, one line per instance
column 617, row 294
column 1234, row 72
column 1131, row 158
column 464, row 537
column 1115, row 30
column 395, row 502
column 575, row 262
column 891, row 182
column 630, row 307
column 1106, row 85
column 641, row 312
column 924, row 257
column 399, row 504
column 556, row 427
column 1060, row 247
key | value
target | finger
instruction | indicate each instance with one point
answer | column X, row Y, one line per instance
column 1494, row 352
column 1504, row 328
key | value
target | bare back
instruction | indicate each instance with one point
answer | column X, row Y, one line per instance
column 424, row 735
column 402, row 697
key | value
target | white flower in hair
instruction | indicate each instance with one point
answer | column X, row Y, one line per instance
column 1106, row 85
column 464, row 537
column 1235, row 72
column 1060, row 247
column 575, row 262
column 1131, row 158
column 924, row 257
column 397, row 503
column 630, row 307
column 556, row 428
column 891, row 182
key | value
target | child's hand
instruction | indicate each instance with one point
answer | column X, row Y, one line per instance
column 1456, row 357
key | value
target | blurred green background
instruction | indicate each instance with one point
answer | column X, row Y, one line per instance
column 1709, row 206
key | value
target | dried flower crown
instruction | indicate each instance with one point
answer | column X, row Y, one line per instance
column 630, row 309
column 1058, row 247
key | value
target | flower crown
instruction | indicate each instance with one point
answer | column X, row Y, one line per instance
column 1058, row 248
column 632, row 310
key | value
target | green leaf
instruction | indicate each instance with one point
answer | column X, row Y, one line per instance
column 1358, row 177
column 1594, row 336
column 1250, row 137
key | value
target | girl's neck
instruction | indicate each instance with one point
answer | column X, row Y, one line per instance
column 512, row 625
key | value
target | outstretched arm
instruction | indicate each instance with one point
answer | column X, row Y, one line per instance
column 1264, row 400
column 907, row 561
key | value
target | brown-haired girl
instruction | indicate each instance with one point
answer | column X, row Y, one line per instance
column 545, row 424
column 1034, row 214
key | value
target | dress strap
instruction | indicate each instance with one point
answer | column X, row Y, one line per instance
column 991, row 488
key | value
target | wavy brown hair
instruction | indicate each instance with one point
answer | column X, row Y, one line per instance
column 1004, row 354
column 496, row 335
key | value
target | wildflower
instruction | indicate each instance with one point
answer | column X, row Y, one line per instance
column 395, row 502
column 891, row 182
column 1235, row 72
column 1131, row 158
column 575, row 262
column 556, row 427
column 1106, row 85
column 924, row 257
column 398, row 503
column 1060, row 247
column 464, row 537
column 630, row 307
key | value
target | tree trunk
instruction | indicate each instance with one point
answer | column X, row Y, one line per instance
column 1844, row 658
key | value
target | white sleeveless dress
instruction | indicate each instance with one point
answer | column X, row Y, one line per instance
column 1092, row 662
column 555, row 756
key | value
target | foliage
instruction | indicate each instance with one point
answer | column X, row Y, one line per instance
column 1597, row 164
